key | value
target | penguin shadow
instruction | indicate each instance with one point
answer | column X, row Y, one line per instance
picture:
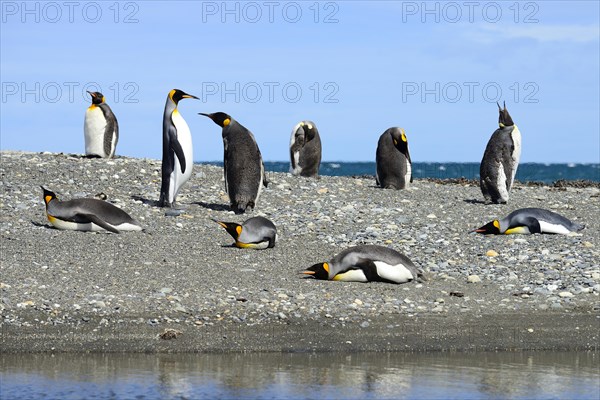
column 153, row 203
column 213, row 206
column 41, row 225
column 474, row 201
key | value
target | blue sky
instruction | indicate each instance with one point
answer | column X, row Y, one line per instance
column 355, row 68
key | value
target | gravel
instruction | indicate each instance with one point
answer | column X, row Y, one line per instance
column 83, row 291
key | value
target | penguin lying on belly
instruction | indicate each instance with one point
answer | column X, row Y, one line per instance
column 255, row 233
column 87, row 215
column 366, row 263
column 530, row 220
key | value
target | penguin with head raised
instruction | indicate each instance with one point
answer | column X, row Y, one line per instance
column 530, row 220
column 255, row 233
column 500, row 160
column 242, row 163
column 178, row 154
column 366, row 263
column 87, row 215
column 100, row 128
column 394, row 167
column 305, row 150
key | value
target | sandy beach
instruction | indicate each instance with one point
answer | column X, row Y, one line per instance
column 65, row 291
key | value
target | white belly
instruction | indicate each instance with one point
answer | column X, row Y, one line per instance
column 297, row 169
column 501, row 183
column 516, row 156
column 184, row 137
column 93, row 128
column 395, row 273
column 408, row 174
column 553, row 228
column 354, row 275
column 90, row 226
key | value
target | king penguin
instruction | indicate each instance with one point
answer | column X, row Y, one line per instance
column 366, row 263
column 178, row 154
column 242, row 163
column 500, row 160
column 530, row 220
column 87, row 215
column 305, row 150
column 394, row 167
column 255, row 233
column 101, row 129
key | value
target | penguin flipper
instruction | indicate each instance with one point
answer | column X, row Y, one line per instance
column 93, row 218
column 176, row 147
column 369, row 268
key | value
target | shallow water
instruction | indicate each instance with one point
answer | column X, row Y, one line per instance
column 530, row 375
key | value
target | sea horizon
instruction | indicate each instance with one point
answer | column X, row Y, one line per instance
column 527, row 172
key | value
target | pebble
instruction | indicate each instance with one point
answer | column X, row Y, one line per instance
column 565, row 295
column 184, row 260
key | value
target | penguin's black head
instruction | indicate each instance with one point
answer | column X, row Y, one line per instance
column 48, row 195
column 504, row 119
column 177, row 95
column 219, row 118
column 235, row 230
column 97, row 97
column 318, row 271
column 491, row 228
column 309, row 130
column 399, row 139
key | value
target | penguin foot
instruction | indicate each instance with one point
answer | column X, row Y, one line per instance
column 164, row 203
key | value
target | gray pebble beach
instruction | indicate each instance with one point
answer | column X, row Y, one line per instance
column 179, row 286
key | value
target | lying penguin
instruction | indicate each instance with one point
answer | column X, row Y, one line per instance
column 255, row 233
column 366, row 263
column 530, row 220
column 87, row 215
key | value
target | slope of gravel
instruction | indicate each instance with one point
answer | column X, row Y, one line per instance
column 80, row 291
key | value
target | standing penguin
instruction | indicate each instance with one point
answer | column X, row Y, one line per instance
column 242, row 163
column 394, row 168
column 500, row 160
column 100, row 128
column 178, row 155
column 305, row 150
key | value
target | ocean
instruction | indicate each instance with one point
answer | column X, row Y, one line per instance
column 527, row 172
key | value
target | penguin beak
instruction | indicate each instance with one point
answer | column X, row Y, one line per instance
column 223, row 224
column 307, row 272
column 189, row 96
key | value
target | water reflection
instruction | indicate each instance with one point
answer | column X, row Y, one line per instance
column 352, row 376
